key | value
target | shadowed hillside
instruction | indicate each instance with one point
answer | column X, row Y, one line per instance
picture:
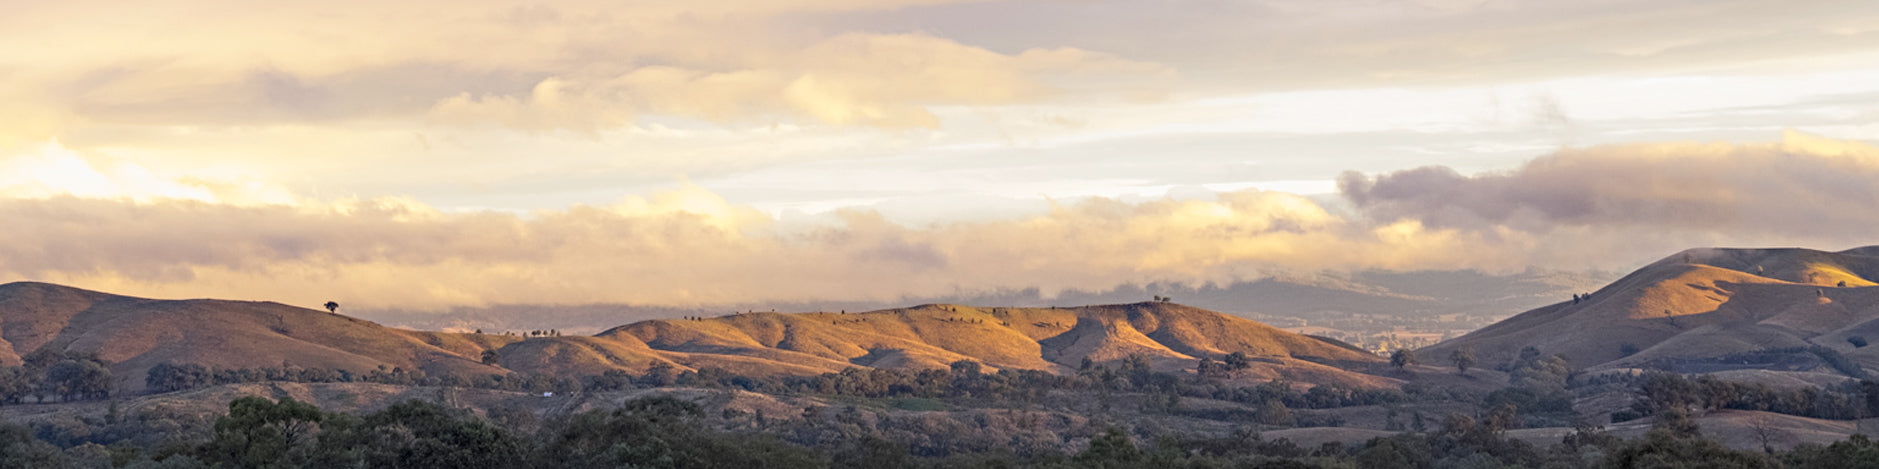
column 1705, row 310
column 134, row 334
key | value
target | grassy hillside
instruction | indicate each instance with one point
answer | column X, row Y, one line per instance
column 1705, row 304
column 932, row 336
column 134, row 334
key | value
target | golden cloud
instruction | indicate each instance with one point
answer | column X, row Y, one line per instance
column 1602, row 207
column 573, row 65
column 884, row 80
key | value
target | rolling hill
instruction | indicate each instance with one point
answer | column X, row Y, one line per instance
column 1706, row 310
column 932, row 336
column 1418, row 295
column 136, row 333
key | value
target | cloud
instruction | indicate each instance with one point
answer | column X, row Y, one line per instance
column 1801, row 185
column 1606, row 207
column 855, row 79
column 1804, row 190
column 682, row 248
column 581, row 66
column 51, row 169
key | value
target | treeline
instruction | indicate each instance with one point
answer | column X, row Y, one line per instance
column 168, row 377
column 665, row 432
column 47, row 375
column 964, row 381
column 1662, row 391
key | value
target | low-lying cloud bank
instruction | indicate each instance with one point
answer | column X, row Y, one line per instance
column 1621, row 203
column 1603, row 207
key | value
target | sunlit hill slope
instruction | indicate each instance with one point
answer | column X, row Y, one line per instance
column 134, row 334
column 1705, row 310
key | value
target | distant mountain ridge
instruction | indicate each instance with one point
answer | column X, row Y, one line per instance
column 135, row 334
column 1710, row 309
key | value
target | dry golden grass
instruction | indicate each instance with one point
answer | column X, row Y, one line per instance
column 1700, row 303
column 932, row 336
column 135, row 334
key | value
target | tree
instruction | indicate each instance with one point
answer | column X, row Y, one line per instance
column 416, row 434
column 661, row 432
column 1870, row 388
column 18, row 448
column 1857, row 341
column 1402, row 358
column 1390, row 453
column 167, row 377
column 1111, row 449
column 965, row 368
column 1676, row 421
column 1208, row 368
column 1767, row 432
column 1503, row 418
column 262, row 433
column 491, row 357
column 78, row 378
column 1856, row 451
column 332, row 307
column 1463, row 358
column 1273, row 412
column 1238, row 361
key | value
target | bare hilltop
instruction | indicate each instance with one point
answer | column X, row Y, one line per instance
column 1709, row 310
column 134, row 334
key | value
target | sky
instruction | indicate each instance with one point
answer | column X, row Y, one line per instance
column 425, row 155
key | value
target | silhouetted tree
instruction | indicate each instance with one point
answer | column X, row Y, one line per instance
column 332, row 307
column 1208, row 368
column 1463, row 358
column 1111, row 449
column 78, row 378
column 1871, row 390
column 1402, row 358
column 1238, row 361
column 1274, row 412
column 15, row 384
column 167, row 377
